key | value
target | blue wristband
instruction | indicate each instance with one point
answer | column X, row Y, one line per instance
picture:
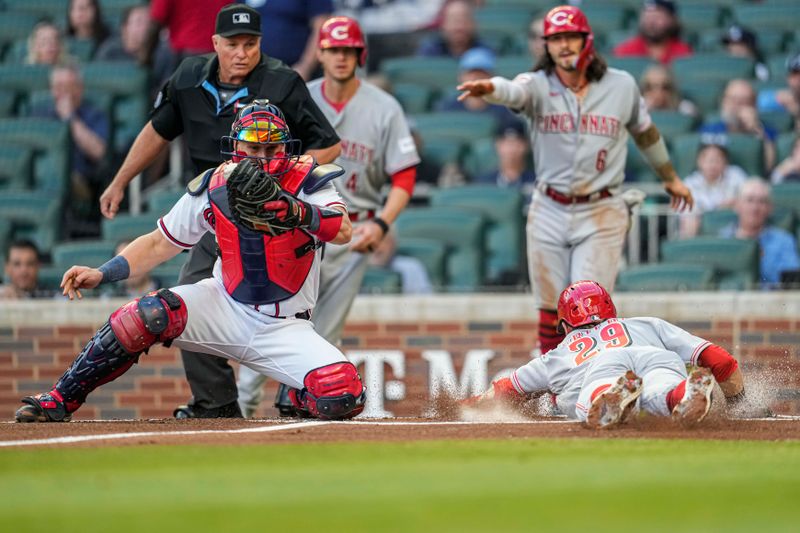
column 115, row 269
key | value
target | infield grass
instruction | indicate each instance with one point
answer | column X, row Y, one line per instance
column 486, row 485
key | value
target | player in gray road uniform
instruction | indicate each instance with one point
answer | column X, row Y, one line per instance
column 606, row 365
column 376, row 147
column 580, row 113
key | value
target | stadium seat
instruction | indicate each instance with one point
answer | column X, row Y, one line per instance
column 461, row 231
column 713, row 221
column 50, row 277
column 712, row 67
column 502, row 209
column 700, row 17
column 32, row 214
column 16, row 164
column 633, row 65
column 510, row 66
column 381, row 281
column 784, row 217
column 16, row 25
column 666, row 278
column 430, row 253
column 23, row 79
column 433, row 72
column 128, row 227
column 413, row 98
column 481, row 157
column 743, row 150
column 511, row 19
column 91, row 253
column 161, row 202
column 784, row 145
column 606, row 17
column 167, row 273
column 6, row 229
column 460, row 125
column 767, row 17
column 780, row 121
column 671, row 123
column 8, row 101
column 787, row 195
column 705, row 94
column 442, row 150
column 735, row 261
column 49, row 140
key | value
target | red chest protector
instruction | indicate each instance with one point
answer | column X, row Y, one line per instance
column 259, row 269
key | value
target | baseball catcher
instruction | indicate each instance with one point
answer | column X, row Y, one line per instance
column 271, row 211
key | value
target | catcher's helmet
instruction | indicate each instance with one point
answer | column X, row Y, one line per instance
column 570, row 19
column 343, row 32
column 261, row 122
column 583, row 303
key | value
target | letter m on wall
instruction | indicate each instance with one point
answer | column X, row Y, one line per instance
column 442, row 373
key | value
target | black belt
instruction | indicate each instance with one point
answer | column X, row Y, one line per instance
column 567, row 199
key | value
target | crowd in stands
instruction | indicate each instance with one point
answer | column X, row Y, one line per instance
column 717, row 80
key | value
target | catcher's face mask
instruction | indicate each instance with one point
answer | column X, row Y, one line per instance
column 264, row 137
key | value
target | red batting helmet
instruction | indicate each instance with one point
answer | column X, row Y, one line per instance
column 570, row 19
column 343, row 32
column 583, row 303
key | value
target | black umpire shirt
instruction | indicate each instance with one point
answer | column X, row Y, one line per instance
column 191, row 103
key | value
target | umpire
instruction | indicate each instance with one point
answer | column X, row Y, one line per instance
column 200, row 101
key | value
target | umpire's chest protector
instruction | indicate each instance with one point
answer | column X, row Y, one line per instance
column 259, row 269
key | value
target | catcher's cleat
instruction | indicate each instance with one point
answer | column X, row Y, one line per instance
column 44, row 407
column 696, row 401
column 229, row 410
column 615, row 404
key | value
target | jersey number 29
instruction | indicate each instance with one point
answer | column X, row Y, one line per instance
column 613, row 335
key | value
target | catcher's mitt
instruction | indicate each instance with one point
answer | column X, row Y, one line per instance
column 249, row 188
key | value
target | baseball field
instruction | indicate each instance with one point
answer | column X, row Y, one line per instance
column 398, row 475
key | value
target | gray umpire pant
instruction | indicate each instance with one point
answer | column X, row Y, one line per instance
column 211, row 378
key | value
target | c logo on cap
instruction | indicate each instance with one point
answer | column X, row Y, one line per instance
column 340, row 33
column 560, row 18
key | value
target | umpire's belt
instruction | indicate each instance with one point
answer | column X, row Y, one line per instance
column 362, row 215
column 568, row 200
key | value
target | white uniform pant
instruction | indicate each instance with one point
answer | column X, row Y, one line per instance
column 568, row 243
column 342, row 272
column 660, row 370
column 285, row 349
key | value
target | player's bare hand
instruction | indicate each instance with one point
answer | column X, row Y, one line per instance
column 475, row 88
column 680, row 196
column 77, row 278
column 110, row 200
column 366, row 237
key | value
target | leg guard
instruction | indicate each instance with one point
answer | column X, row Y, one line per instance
column 132, row 329
column 332, row 392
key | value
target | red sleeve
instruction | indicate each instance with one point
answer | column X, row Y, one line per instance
column 721, row 363
column 159, row 11
column 405, row 179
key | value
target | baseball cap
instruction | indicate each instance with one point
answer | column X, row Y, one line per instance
column 477, row 59
column 238, row 19
column 667, row 5
column 739, row 34
column 513, row 128
column 720, row 140
column 793, row 64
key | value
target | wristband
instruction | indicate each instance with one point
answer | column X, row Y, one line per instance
column 381, row 223
column 116, row 269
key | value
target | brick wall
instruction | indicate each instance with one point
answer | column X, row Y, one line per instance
column 38, row 340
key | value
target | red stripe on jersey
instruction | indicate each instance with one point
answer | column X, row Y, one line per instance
column 405, row 179
column 169, row 236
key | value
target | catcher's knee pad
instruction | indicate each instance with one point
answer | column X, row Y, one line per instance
column 132, row 329
column 331, row 392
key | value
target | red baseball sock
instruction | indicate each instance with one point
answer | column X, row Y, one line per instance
column 675, row 396
column 549, row 337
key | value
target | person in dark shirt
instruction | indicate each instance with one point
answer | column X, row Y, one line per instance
column 458, row 32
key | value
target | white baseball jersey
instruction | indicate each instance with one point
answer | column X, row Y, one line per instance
column 589, row 358
column 190, row 219
column 376, row 142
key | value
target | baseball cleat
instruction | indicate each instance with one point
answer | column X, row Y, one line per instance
column 614, row 406
column 697, row 399
column 44, row 407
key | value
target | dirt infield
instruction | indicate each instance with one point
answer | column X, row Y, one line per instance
column 268, row 431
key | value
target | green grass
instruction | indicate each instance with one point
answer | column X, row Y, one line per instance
column 487, row 486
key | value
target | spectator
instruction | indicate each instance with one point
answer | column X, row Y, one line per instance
column 714, row 185
column 291, row 28
column 45, row 46
column 85, row 22
column 190, row 24
column 660, row 92
column 89, row 132
column 738, row 114
column 476, row 64
column 778, row 247
column 413, row 274
column 789, row 168
column 134, row 286
column 789, row 98
column 22, row 272
column 132, row 45
column 536, row 39
column 513, row 153
column 457, row 34
column 659, row 34
column 741, row 42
